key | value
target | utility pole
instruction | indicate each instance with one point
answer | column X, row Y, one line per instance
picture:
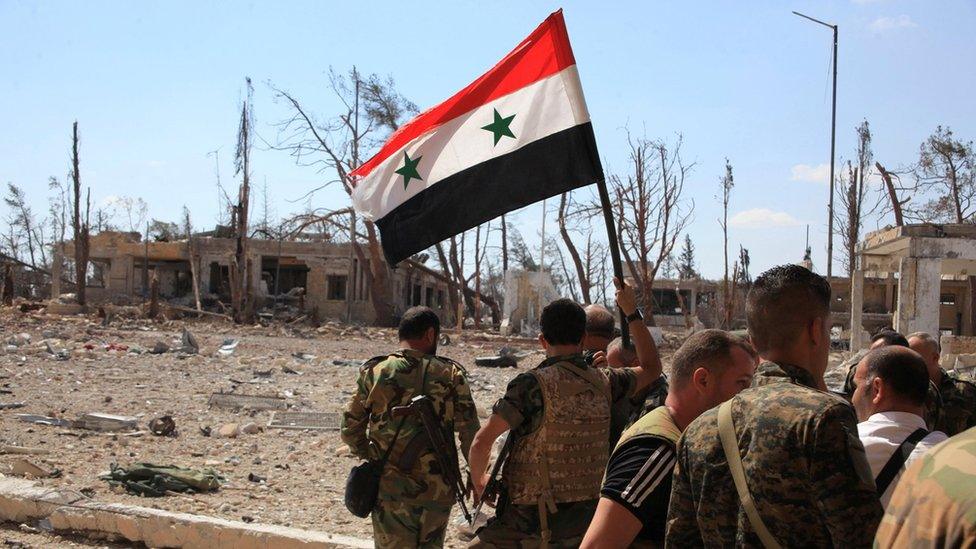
column 833, row 140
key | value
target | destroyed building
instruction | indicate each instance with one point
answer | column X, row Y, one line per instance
column 321, row 277
column 917, row 277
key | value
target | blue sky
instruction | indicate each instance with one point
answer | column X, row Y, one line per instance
column 156, row 86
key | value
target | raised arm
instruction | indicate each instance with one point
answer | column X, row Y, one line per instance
column 650, row 361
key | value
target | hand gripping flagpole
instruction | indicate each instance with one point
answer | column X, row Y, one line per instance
column 618, row 270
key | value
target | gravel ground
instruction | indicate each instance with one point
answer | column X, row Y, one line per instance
column 304, row 470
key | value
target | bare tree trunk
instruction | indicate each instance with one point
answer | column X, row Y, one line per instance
column 892, row 195
column 504, row 245
column 581, row 274
column 8, row 284
column 153, row 296
column 81, row 227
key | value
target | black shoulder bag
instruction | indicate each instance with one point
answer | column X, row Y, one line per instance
column 363, row 482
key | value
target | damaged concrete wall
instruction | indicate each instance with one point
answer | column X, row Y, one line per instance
column 527, row 292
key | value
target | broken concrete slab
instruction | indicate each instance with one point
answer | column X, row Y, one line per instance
column 23, row 467
column 45, row 420
column 25, row 501
column 107, row 423
column 234, row 401
column 314, row 421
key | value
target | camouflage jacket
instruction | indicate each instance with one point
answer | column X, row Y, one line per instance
column 934, row 503
column 958, row 405
column 412, row 473
column 804, row 465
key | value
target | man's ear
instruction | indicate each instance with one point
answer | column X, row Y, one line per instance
column 878, row 386
column 700, row 378
column 815, row 330
column 543, row 342
column 431, row 336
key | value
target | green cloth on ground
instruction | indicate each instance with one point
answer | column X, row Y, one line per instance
column 151, row 480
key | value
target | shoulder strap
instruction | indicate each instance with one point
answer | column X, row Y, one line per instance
column 730, row 446
column 898, row 459
column 396, row 434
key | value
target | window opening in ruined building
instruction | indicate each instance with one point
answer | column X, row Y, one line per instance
column 220, row 281
column 440, row 298
column 284, row 275
column 417, row 292
column 947, row 299
column 97, row 274
column 336, row 287
column 429, row 297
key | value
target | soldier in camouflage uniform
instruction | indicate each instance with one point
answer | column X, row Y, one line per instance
column 560, row 414
column 804, row 465
column 934, row 503
column 414, row 501
column 958, row 411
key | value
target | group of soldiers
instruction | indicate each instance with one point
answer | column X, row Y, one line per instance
column 742, row 444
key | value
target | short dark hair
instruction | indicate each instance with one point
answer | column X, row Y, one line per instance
column 781, row 304
column 599, row 321
column 563, row 322
column 890, row 337
column 416, row 321
column 705, row 349
column 901, row 369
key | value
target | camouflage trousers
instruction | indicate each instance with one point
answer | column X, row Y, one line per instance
column 398, row 525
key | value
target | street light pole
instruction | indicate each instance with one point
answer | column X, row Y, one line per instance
column 833, row 140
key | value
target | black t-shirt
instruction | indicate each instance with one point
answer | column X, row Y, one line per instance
column 639, row 478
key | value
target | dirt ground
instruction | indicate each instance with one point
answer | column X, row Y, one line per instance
column 304, row 470
column 106, row 367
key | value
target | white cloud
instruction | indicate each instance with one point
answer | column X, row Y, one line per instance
column 813, row 174
column 156, row 163
column 885, row 23
column 762, row 218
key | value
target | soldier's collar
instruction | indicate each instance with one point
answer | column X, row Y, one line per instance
column 412, row 353
column 574, row 359
column 795, row 373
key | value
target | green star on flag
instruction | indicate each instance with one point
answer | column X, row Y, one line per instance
column 500, row 127
column 409, row 169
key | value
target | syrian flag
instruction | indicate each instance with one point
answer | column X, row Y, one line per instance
column 518, row 134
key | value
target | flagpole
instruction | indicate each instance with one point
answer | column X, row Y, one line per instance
column 618, row 270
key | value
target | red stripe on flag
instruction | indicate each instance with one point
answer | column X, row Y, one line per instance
column 543, row 53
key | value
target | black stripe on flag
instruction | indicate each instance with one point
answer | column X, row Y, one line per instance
column 546, row 167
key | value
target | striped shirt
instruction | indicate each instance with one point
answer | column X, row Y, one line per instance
column 639, row 478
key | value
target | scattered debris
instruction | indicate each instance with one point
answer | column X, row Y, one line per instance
column 256, row 478
column 501, row 361
column 444, row 340
column 190, row 344
column 229, row 430
column 289, row 370
column 227, row 347
column 163, row 426
column 45, row 420
column 116, row 347
column 150, row 480
column 234, row 401
column 58, row 354
column 346, row 362
column 159, row 348
column 11, row 405
column 314, row 421
column 23, row 450
column 106, row 423
column 25, row 468
column 304, row 357
column 251, row 428
column 263, row 373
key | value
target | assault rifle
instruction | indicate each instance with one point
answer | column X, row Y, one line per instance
column 494, row 479
column 423, row 407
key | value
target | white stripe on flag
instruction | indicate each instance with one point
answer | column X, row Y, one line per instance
column 541, row 109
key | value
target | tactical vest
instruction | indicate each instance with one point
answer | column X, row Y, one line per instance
column 657, row 424
column 563, row 460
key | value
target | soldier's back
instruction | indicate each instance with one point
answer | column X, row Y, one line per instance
column 958, row 405
column 790, row 437
column 934, row 504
